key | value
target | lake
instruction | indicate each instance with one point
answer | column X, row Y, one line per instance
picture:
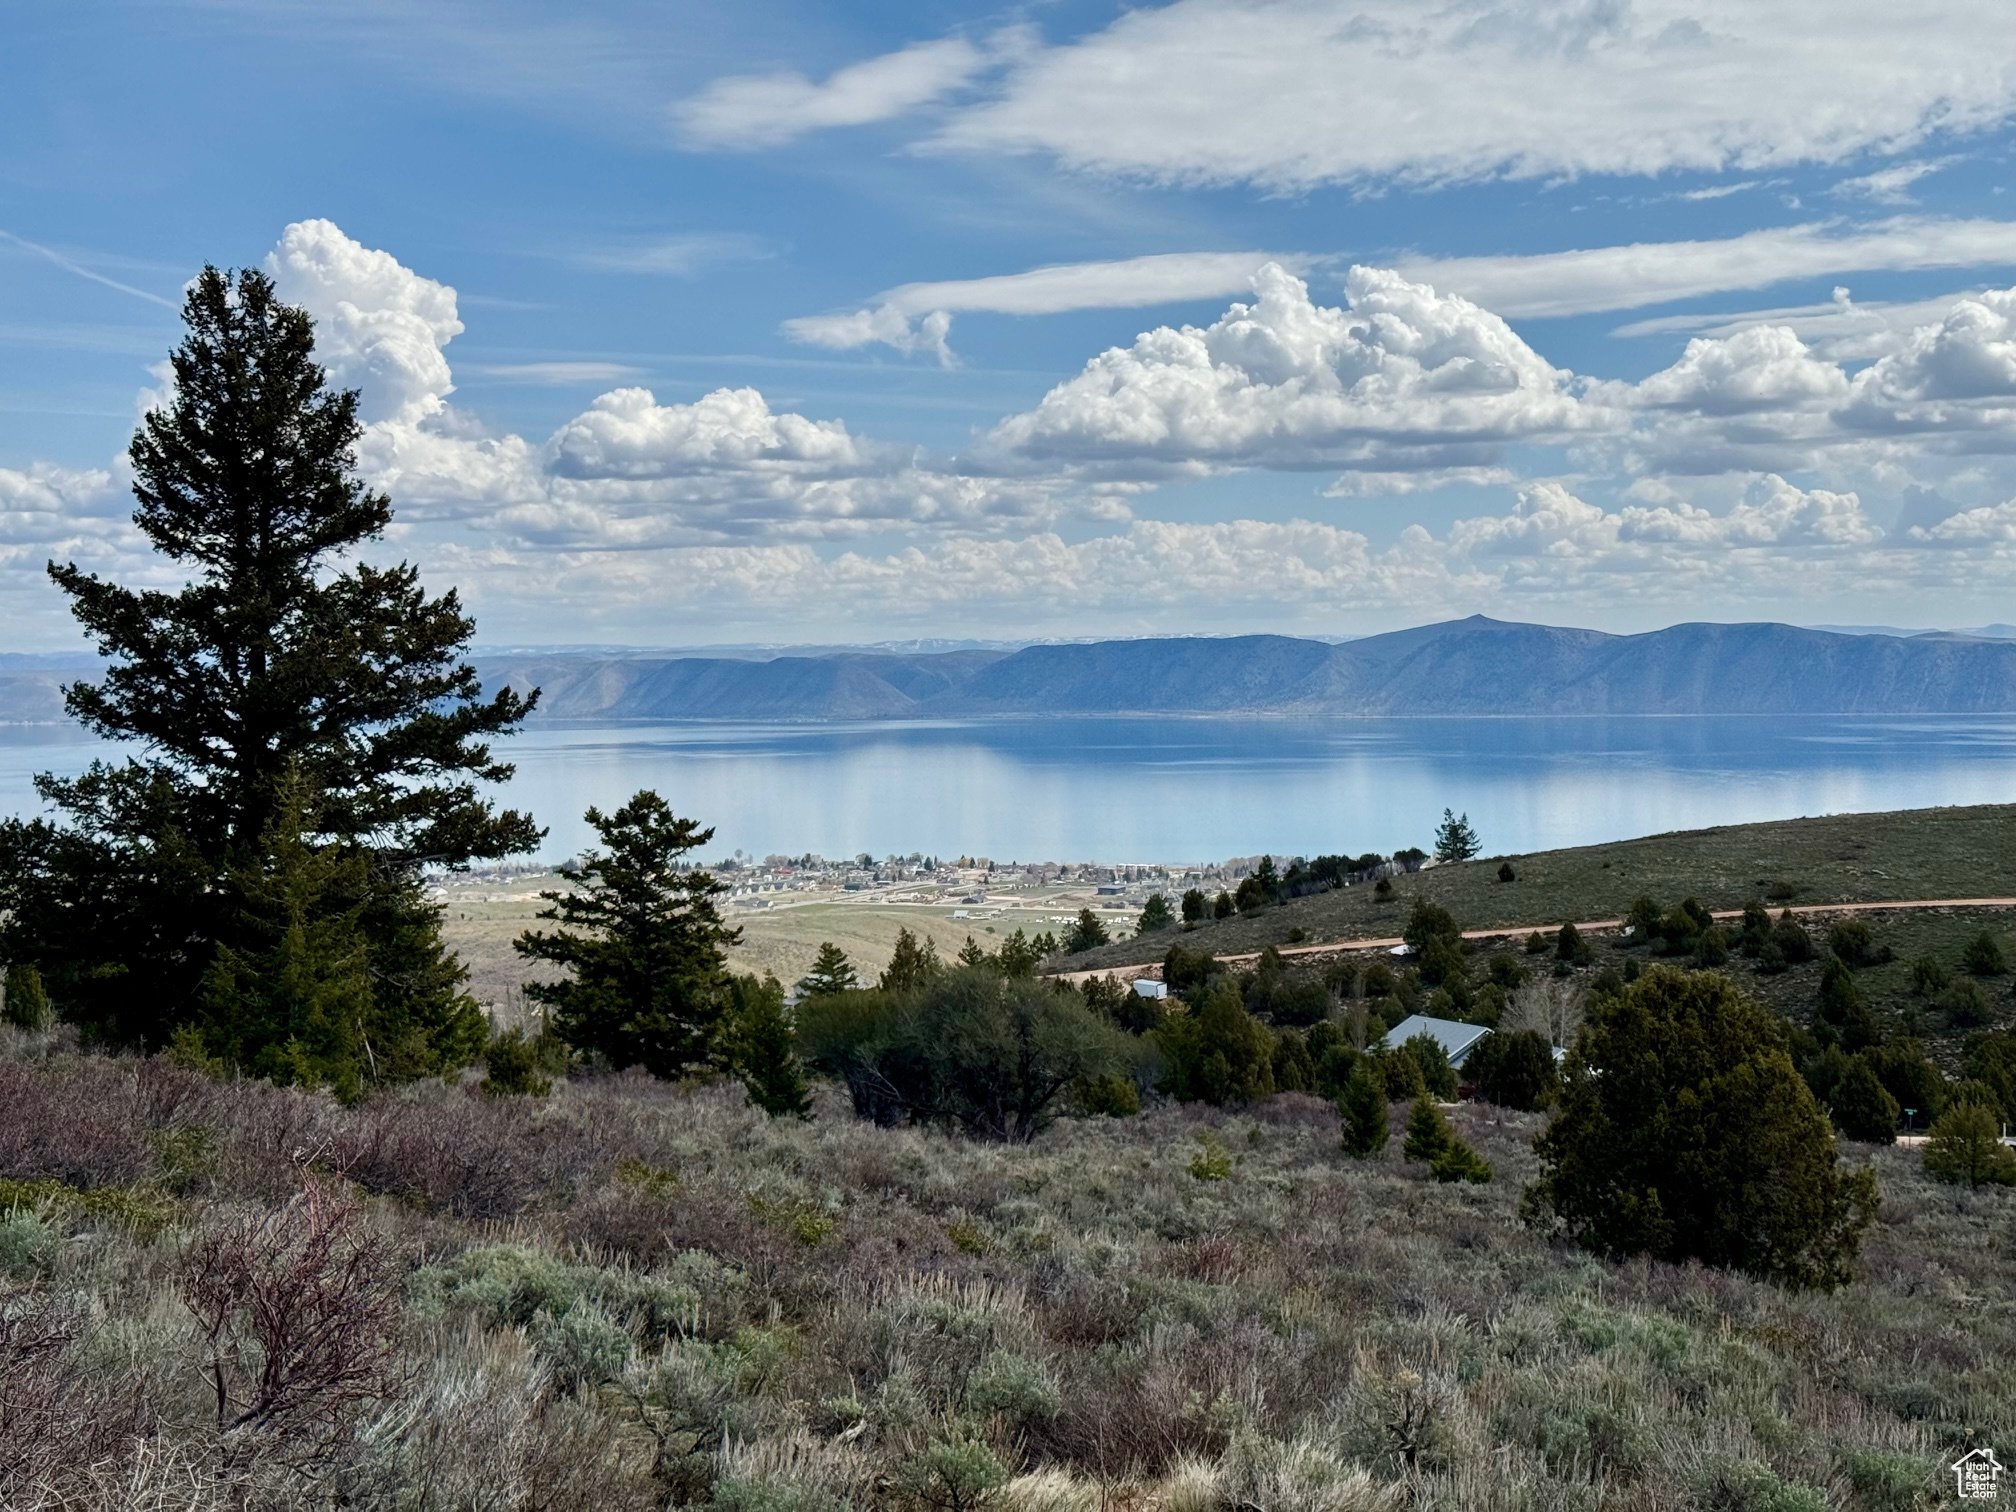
column 1205, row 789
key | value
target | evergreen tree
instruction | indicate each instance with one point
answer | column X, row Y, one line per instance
column 971, row 953
column 1514, row 1070
column 1401, row 1073
column 1966, row 1145
column 1438, row 1078
column 911, row 965
column 1862, row 1108
column 1087, row 934
column 1685, row 1133
column 833, row 972
column 1217, row 1053
column 279, row 655
column 1018, row 955
column 1643, row 920
column 1221, row 906
column 24, row 1003
column 1455, row 840
column 1842, row 1006
column 761, row 1049
column 1156, row 916
column 288, row 994
column 642, row 942
column 1362, row 1107
column 1428, row 1133
column 1195, row 906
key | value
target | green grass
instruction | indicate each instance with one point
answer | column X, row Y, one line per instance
column 1920, row 853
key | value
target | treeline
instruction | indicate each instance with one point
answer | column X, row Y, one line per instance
column 1267, row 885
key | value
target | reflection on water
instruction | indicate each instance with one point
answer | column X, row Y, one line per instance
column 1201, row 789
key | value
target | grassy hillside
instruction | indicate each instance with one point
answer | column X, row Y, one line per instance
column 1918, row 853
column 632, row 1296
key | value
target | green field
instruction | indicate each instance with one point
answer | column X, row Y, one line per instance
column 1917, row 853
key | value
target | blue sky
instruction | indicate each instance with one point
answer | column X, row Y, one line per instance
column 682, row 324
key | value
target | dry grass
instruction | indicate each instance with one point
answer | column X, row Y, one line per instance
column 480, row 926
column 619, row 1298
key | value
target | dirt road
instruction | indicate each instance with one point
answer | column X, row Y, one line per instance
column 1519, row 931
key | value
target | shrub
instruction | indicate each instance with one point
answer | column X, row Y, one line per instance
column 1183, row 971
column 1851, row 941
column 23, row 1002
column 1506, row 872
column 513, row 1067
column 1212, row 1162
column 1861, row 1106
column 1712, row 948
column 1685, row 1133
column 1569, row 946
column 1514, row 1070
column 295, row 1309
column 1966, row 1145
column 991, row 1055
column 1110, row 1096
column 1929, row 976
column 583, row 1346
column 1965, row 1004
column 952, row 1475
column 1983, row 955
column 1460, row 1163
column 1790, row 936
column 1383, row 889
column 1537, row 944
column 1427, row 922
column 1362, row 1108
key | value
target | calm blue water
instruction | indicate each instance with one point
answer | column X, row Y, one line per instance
column 1192, row 790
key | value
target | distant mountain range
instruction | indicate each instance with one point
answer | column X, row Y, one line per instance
column 1476, row 666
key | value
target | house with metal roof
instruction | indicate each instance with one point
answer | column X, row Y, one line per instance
column 1456, row 1039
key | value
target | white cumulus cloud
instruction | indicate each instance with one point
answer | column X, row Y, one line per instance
column 379, row 327
column 1405, row 378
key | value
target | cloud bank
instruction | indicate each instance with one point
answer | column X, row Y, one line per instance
column 1740, row 472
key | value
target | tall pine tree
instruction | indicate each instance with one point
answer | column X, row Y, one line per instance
column 282, row 674
column 642, row 943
